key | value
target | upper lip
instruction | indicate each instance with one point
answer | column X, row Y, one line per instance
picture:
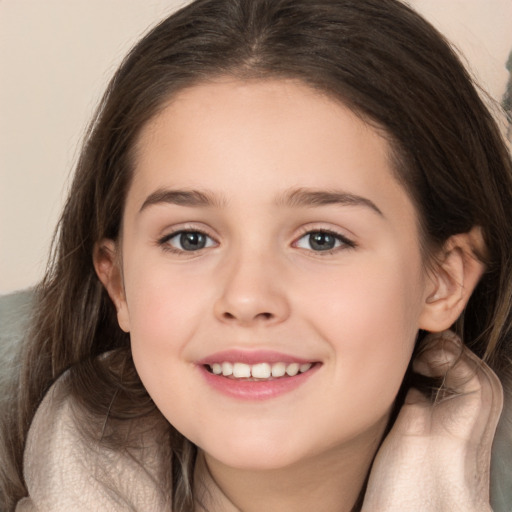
column 252, row 357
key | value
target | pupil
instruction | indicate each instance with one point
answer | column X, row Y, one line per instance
column 192, row 241
column 322, row 241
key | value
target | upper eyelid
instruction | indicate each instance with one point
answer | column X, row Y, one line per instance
column 171, row 231
column 342, row 238
column 166, row 238
column 319, row 227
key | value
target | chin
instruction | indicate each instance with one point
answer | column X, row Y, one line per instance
column 251, row 453
column 256, row 461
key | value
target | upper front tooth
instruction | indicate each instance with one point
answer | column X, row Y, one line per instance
column 261, row 371
column 292, row 369
column 241, row 370
column 278, row 369
column 227, row 369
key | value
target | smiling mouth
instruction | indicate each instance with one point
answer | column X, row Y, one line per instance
column 259, row 371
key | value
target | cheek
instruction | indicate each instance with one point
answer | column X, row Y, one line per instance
column 165, row 310
column 163, row 322
column 370, row 319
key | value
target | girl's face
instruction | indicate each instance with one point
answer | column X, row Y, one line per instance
column 264, row 233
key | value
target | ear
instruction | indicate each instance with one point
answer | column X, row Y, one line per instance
column 456, row 274
column 107, row 264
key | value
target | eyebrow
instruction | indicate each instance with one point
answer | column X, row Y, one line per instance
column 302, row 197
column 192, row 198
column 294, row 198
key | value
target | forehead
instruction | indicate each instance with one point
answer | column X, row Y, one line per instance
column 260, row 104
column 241, row 137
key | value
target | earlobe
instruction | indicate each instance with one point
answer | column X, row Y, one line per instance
column 108, row 269
column 456, row 275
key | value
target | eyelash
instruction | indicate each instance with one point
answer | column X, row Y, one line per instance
column 164, row 241
column 345, row 243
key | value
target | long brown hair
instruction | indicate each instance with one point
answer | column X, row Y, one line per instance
column 381, row 60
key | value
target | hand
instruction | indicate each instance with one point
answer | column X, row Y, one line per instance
column 436, row 458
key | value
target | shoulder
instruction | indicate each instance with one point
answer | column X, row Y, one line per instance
column 65, row 469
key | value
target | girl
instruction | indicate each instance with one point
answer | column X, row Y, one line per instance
column 275, row 204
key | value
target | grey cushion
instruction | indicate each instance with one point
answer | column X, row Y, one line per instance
column 14, row 316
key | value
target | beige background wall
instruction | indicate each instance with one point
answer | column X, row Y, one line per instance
column 55, row 59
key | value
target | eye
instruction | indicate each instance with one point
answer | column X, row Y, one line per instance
column 187, row 241
column 323, row 241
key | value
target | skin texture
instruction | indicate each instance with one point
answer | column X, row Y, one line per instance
column 258, row 284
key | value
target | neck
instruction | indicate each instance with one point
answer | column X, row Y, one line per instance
column 329, row 482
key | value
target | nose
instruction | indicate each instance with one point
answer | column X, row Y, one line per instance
column 252, row 292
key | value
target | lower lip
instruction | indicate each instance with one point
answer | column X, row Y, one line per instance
column 253, row 389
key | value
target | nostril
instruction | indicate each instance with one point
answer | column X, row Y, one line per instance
column 264, row 316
